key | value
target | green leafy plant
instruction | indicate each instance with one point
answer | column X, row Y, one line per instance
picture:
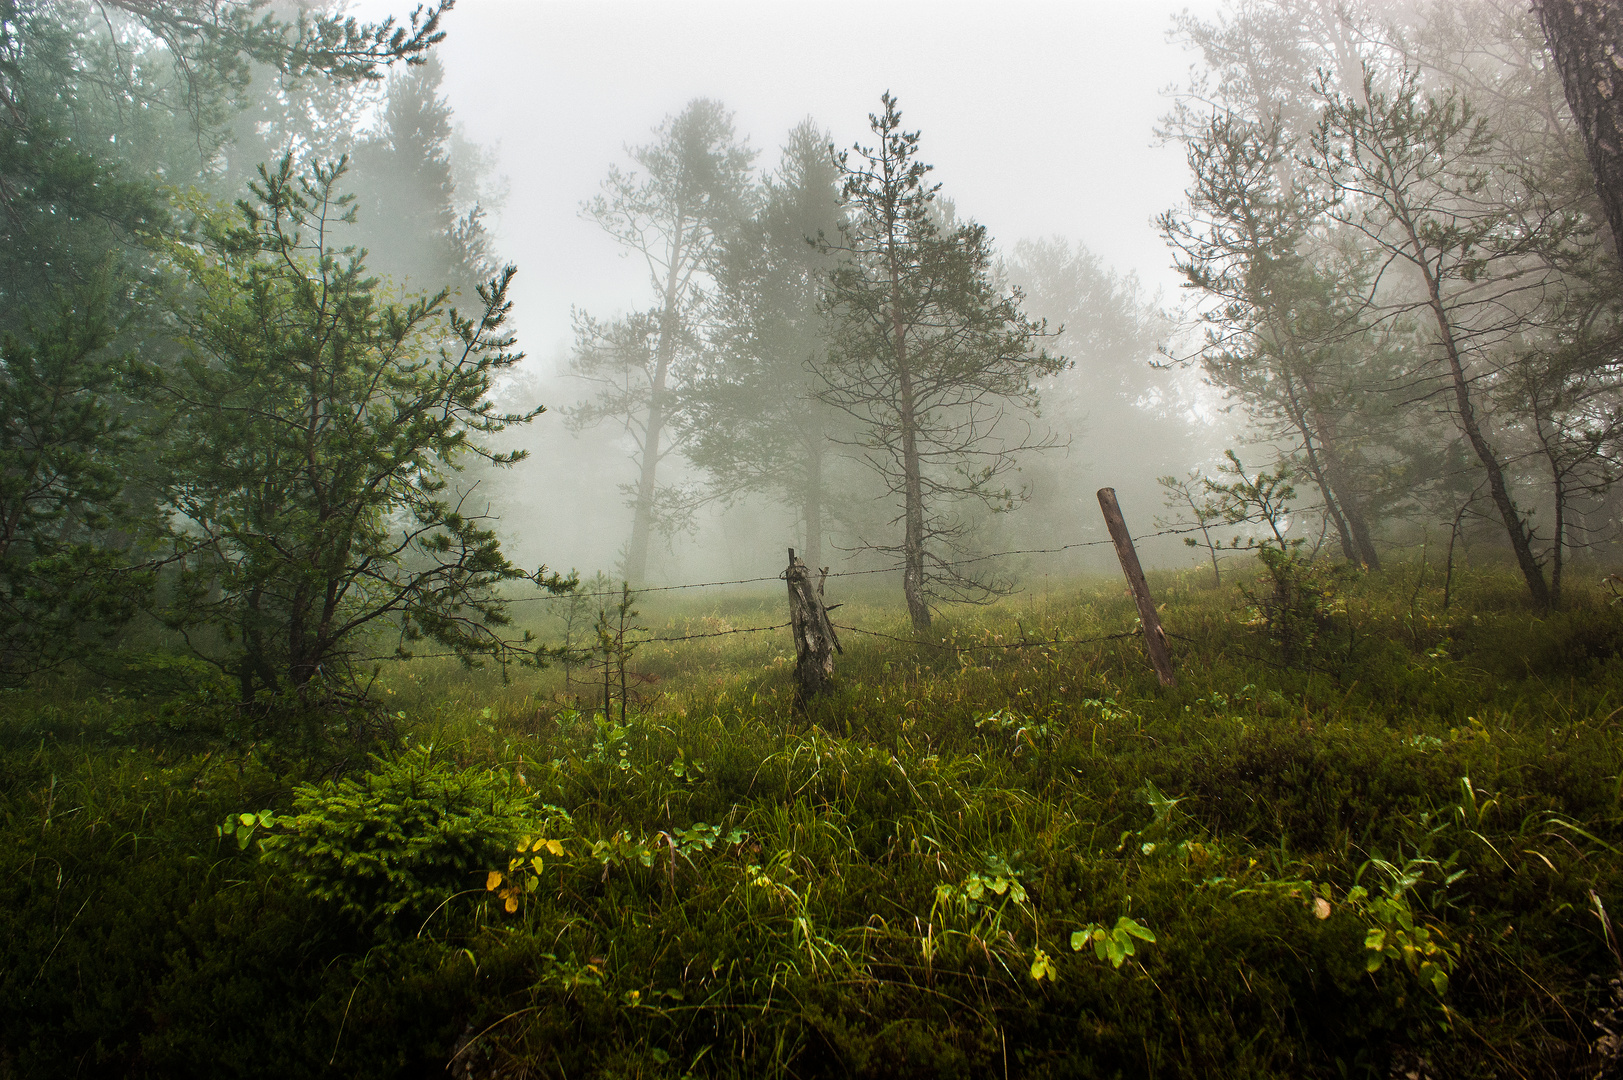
column 1397, row 933
column 1115, row 944
column 1154, row 836
column 243, row 826
column 983, row 895
column 1025, row 732
column 404, row 836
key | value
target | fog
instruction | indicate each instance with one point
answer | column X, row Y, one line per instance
column 1038, row 119
column 900, row 286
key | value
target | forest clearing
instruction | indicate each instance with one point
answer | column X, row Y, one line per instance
column 405, row 415
column 974, row 855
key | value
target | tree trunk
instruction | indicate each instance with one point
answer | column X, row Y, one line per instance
column 912, row 477
column 1340, row 484
column 1332, row 504
column 913, row 505
column 812, row 507
column 1586, row 40
column 1363, row 545
column 1560, row 540
column 642, row 519
column 912, row 490
column 1515, row 527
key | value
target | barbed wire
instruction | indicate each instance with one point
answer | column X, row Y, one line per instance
column 851, row 573
column 713, row 634
column 644, row 589
column 630, row 641
column 1022, row 644
column 1028, row 643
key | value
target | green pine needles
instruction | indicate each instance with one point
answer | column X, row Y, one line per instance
column 316, row 431
column 401, row 838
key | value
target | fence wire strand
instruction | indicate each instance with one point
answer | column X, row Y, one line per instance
column 1022, row 644
column 854, row 573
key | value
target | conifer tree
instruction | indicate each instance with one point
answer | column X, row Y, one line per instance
column 751, row 416
column 694, row 189
column 318, row 430
column 406, row 193
column 933, row 362
column 106, row 110
column 1282, row 336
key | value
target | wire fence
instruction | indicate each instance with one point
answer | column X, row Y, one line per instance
column 1023, row 643
column 851, row 573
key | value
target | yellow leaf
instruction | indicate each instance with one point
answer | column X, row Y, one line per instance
column 555, row 847
column 535, row 861
column 493, row 881
column 512, row 904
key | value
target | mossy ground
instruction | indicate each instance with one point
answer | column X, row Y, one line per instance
column 913, row 854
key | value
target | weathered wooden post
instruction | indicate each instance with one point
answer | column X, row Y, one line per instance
column 815, row 640
column 1155, row 639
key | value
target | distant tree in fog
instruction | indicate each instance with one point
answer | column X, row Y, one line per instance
column 406, row 193
column 751, row 417
column 932, row 361
column 1127, row 422
column 693, row 189
column 1282, row 334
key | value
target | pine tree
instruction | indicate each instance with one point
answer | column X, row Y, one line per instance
column 931, row 360
column 318, row 430
column 694, row 189
column 1413, row 173
column 107, row 110
column 406, row 192
column 751, row 416
column 1284, row 336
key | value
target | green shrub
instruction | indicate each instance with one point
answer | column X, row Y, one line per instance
column 403, row 837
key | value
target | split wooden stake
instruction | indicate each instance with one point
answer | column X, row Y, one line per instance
column 1155, row 639
column 815, row 640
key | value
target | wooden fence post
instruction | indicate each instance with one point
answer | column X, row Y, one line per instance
column 815, row 640
column 1155, row 639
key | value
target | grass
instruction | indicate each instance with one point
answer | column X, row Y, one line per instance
column 888, row 882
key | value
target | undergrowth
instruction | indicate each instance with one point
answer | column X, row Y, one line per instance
column 1004, row 850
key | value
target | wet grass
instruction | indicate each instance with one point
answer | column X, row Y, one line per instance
column 887, row 882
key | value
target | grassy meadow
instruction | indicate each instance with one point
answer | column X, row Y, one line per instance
column 1391, row 852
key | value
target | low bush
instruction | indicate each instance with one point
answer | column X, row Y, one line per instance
column 403, row 837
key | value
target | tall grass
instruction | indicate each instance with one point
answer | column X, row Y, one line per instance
column 908, row 877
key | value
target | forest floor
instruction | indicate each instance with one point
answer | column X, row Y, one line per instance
column 996, row 849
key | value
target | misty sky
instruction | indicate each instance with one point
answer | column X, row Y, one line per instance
column 1037, row 116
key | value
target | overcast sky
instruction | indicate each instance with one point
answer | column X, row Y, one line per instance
column 1038, row 117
